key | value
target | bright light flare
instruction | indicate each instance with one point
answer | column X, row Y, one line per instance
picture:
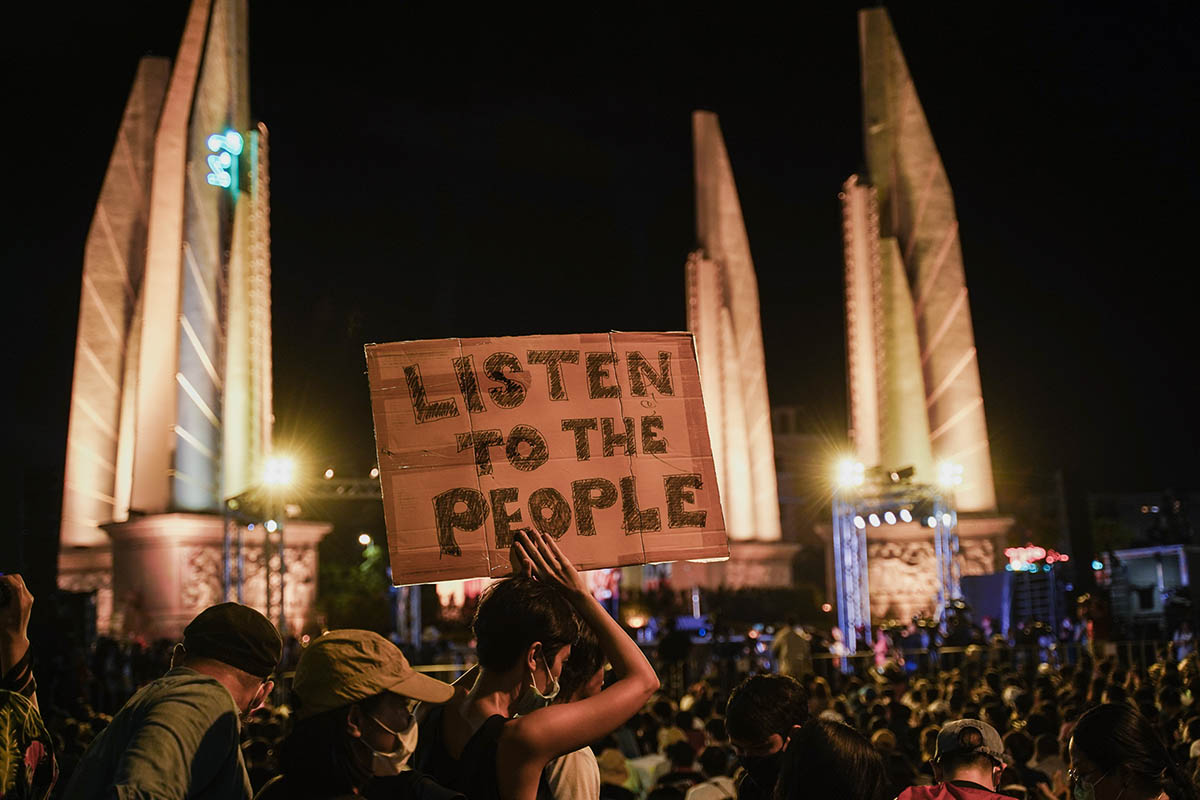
column 329, row 473
column 906, row 515
column 279, row 471
column 849, row 473
column 949, row 474
column 374, row 472
column 364, row 539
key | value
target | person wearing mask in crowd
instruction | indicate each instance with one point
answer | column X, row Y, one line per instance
column 828, row 759
column 714, row 768
column 354, row 692
column 759, row 717
column 1115, row 752
column 24, row 739
column 967, row 764
column 495, row 740
column 178, row 736
column 576, row 775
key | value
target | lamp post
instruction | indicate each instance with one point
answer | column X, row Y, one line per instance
column 279, row 473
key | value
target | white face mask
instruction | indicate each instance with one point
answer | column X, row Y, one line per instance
column 393, row 763
column 535, row 698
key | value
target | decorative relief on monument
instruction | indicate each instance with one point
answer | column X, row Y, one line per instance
column 900, row 575
column 977, row 556
column 204, row 569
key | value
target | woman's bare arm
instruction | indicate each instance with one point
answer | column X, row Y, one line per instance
column 565, row 727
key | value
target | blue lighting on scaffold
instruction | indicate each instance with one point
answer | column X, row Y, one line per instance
column 1097, row 565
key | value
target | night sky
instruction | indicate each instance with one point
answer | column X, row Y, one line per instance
column 496, row 172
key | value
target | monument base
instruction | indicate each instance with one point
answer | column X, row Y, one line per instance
column 160, row 570
column 751, row 564
column 902, row 564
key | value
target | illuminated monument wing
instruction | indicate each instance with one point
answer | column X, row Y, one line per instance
column 171, row 398
column 723, row 313
column 915, row 394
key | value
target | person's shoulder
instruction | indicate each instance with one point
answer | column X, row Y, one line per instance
column 923, row 792
column 195, row 689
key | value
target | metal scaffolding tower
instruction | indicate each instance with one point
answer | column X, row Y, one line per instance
column 888, row 503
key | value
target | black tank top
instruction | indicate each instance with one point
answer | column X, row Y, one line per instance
column 474, row 772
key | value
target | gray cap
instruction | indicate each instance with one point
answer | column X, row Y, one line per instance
column 963, row 736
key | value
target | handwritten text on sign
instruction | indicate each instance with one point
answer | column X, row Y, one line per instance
column 598, row 440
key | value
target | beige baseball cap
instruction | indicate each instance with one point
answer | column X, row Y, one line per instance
column 345, row 666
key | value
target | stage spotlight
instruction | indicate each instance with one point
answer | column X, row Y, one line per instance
column 946, row 518
column 859, row 522
column 889, row 518
column 949, row 474
column 1097, row 565
column 874, row 520
column 279, row 472
column 849, row 473
column 931, row 522
column 906, row 515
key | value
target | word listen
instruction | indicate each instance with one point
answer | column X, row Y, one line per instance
column 500, row 369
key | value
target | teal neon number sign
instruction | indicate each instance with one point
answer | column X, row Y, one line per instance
column 226, row 147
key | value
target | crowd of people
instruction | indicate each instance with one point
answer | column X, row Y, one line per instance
column 564, row 705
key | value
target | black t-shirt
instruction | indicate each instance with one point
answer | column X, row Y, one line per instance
column 474, row 772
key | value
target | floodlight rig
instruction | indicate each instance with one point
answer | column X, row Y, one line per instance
column 860, row 499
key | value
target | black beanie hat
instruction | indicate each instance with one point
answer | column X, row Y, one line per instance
column 236, row 635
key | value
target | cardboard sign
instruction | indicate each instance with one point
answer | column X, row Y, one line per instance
column 599, row 440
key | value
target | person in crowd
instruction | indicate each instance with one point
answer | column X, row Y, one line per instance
column 354, row 692
column 759, row 717
column 1047, row 757
column 576, row 775
column 495, row 740
column 899, row 770
column 967, row 764
column 792, row 649
column 1018, row 745
column 24, row 741
column 618, row 780
column 665, row 793
column 714, row 733
column 1115, row 752
column 178, row 736
column 683, row 774
column 828, row 759
column 716, row 783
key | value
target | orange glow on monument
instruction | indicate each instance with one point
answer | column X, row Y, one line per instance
column 723, row 313
column 171, row 402
column 915, row 392
column 915, row 395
